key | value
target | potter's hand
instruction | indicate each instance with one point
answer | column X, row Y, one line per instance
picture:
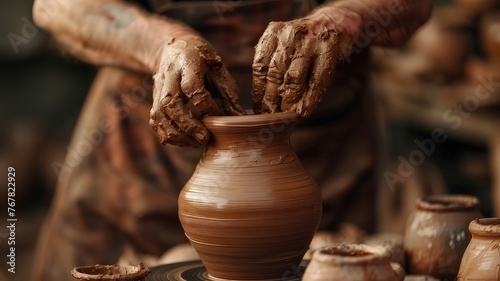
column 293, row 63
column 190, row 71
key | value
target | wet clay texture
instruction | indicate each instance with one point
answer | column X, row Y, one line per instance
column 436, row 234
column 250, row 210
column 352, row 262
column 110, row 272
column 481, row 260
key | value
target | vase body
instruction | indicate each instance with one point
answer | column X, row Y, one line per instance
column 481, row 260
column 250, row 210
column 437, row 234
column 352, row 262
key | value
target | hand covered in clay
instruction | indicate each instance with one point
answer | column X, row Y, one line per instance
column 190, row 77
column 293, row 63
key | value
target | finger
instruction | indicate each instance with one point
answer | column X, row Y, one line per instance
column 275, row 75
column 263, row 55
column 324, row 65
column 193, row 87
column 228, row 91
column 183, row 118
column 170, row 112
column 296, row 79
column 168, row 132
column 290, row 37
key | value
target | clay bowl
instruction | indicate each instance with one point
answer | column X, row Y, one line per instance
column 110, row 272
column 352, row 262
column 490, row 35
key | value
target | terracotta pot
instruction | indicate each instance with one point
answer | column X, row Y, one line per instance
column 436, row 234
column 110, row 272
column 490, row 35
column 481, row 260
column 250, row 210
column 352, row 262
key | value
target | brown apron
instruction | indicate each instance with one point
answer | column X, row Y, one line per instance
column 119, row 185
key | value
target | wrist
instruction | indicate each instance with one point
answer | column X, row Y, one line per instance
column 338, row 18
column 345, row 22
column 174, row 35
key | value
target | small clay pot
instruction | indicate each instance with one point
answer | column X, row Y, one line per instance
column 481, row 259
column 110, row 272
column 352, row 262
column 436, row 234
column 490, row 35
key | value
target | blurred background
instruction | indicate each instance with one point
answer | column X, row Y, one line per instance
column 41, row 93
column 437, row 99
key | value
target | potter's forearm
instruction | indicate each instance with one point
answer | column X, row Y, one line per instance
column 384, row 22
column 108, row 32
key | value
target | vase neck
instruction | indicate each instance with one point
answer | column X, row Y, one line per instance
column 485, row 227
column 252, row 131
column 448, row 203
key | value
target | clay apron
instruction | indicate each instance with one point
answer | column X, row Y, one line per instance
column 233, row 28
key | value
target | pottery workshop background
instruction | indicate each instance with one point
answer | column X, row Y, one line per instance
column 438, row 133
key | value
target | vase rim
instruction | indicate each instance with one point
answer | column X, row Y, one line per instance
column 485, row 227
column 110, row 272
column 250, row 120
column 447, row 202
column 352, row 254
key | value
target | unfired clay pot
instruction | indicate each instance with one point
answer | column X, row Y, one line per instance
column 110, row 272
column 481, row 260
column 352, row 262
column 250, row 210
column 436, row 234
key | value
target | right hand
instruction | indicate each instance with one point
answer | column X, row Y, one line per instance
column 190, row 71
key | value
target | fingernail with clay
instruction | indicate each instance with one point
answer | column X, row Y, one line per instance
column 200, row 137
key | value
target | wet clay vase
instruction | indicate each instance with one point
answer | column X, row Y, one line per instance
column 437, row 234
column 481, row 260
column 110, row 272
column 352, row 262
column 250, row 209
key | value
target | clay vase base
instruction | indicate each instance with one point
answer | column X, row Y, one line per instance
column 195, row 271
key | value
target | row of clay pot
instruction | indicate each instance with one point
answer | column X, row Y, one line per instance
column 437, row 243
column 446, row 238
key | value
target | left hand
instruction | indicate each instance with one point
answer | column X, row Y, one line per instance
column 294, row 61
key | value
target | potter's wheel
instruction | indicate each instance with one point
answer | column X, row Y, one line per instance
column 195, row 271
